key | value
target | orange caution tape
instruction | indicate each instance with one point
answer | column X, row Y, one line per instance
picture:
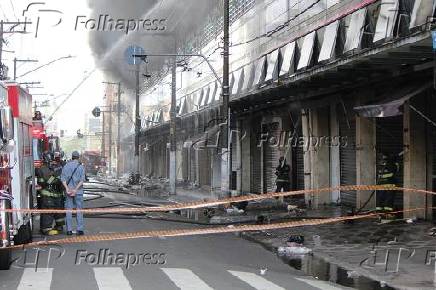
column 211, row 203
column 191, row 232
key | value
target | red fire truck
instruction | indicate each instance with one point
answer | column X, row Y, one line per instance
column 93, row 162
column 17, row 174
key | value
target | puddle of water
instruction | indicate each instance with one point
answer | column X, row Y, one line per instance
column 325, row 271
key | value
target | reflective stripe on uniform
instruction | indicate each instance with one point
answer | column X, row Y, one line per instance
column 47, row 193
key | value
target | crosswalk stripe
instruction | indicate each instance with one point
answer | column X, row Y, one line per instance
column 256, row 281
column 185, row 279
column 33, row 279
column 111, row 278
column 319, row 284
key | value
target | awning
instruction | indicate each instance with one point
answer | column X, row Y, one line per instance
column 199, row 97
column 329, row 41
column 195, row 100
column 355, row 30
column 393, row 101
column 422, row 11
column 272, row 65
column 217, row 92
column 183, row 106
column 212, row 92
column 306, row 50
column 287, row 53
column 248, row 77
column 259, row 72
column 189, row 103
column 206, row 92
column 239, row 77
column 386, row 19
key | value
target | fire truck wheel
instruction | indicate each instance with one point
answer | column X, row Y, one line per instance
column 5, row 259
column 24, row 235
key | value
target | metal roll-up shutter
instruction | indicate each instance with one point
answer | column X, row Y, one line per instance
column 255, row 163
column 193, row 163
column 347, row 155
column 390, row 141
column 185, row 163
column 271, row 155
column 236, row 161
column 299, row 162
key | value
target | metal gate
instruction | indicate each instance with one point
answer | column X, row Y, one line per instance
column 271, row 155
column 347, row 154
column 255, row 161
column 389, row 140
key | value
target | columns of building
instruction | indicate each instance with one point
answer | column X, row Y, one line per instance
column 316, row 154
column 415, row 162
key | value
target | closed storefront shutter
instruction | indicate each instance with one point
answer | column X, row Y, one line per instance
column 255, row 166
column 236, row 162
column 271, row 155
column 347, row 155
column 193, row 163
column 390, row 141
column 299, row 162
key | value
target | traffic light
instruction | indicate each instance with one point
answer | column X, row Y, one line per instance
column 96, row 112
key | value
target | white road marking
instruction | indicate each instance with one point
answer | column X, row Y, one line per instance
column 319, row 284
column 36, row 280
column 256, row 281
column 185, row 279
column 111, row 278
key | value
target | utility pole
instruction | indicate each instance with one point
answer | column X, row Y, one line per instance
column 2, row 33
column 137, row 117
column 173, row 138
column 103, row 137
column 225, row 112
column 110, row 135
column 119, row 129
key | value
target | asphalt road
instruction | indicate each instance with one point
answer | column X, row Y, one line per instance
column 222, row 261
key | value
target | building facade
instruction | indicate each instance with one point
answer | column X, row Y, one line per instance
column 330, row 85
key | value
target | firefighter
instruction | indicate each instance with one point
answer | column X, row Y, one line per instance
column 386, row 175
column 282, row 172
column 51, row 195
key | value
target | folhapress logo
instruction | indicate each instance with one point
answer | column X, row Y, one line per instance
column 105, row 257
column 107, row 23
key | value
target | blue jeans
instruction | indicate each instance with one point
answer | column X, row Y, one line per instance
column 72, row 202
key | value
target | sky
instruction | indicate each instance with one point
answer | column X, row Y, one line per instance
column 52, row 41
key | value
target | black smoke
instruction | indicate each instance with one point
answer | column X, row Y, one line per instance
column 184, row 18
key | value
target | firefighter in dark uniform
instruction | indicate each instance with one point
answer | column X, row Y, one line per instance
column 51, row 195
column 387, row 175
column 282, row 172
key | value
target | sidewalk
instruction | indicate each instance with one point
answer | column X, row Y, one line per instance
column 366, row 249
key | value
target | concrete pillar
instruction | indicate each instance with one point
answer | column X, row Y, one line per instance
column 335, row 162
column 320, row 155
column 316, row 154
column 365, row 160
column 305, row 122
column 414, row 160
